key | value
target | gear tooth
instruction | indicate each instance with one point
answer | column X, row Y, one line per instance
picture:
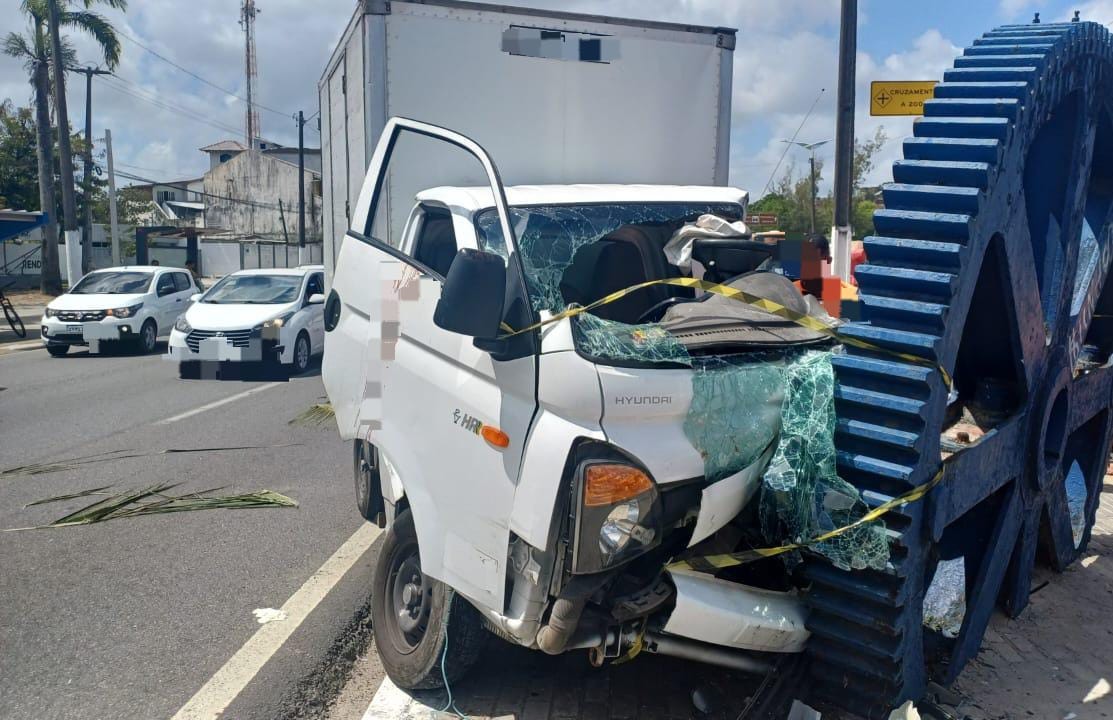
column 871, row 432
column 1025, row 48
column 859, row 369
column 1019, row 73
column 883, row 403
column 972, row 106
column 995, row 61
column 930, row 198
column 1015, row 89
column 905, row 282
column 1018, row 38
column 837, row 644
column 984, row 150
column 900, row 475
column 916, row 343
column 864, row 639
column 905, row 314
column 926, row 225
column 876, row 587
column 961, row 127
column 864, row 613
column 952, row 173
column 910, row 253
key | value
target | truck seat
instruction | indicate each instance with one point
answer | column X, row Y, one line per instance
column 628, row 256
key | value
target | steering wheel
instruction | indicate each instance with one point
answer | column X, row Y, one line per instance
column 657, row 311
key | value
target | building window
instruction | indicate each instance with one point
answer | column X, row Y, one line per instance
column 262, row 146
column 165, row 195
column 225, row 157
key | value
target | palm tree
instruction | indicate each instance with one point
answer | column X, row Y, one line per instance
column 35, row 49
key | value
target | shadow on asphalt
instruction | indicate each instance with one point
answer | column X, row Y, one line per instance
column 250, row 372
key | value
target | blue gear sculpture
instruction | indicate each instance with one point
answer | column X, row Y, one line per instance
column 991, row 259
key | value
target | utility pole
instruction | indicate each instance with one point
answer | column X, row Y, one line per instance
column 251, row 71
column 65, row 151
column 844, row 139
column 811, row 148
column 302, row 260
column 87, row 175
column 112, row 200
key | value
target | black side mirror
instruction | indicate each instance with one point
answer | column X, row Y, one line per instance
column 472, row 295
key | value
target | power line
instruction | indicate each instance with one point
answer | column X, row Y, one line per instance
column 198, row 77
column 166, row 105
column 787, row 147
column 184, row 186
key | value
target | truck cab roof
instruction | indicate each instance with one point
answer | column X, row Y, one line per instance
column 473, row 199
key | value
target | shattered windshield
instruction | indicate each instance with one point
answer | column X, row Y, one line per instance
column 550, row 235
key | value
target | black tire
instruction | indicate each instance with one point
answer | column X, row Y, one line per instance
column 302, row 354
column 57, row 350
column 365, row 472
column 148, row 338
column 14, row 320
column 189, row 370
column 412, row 654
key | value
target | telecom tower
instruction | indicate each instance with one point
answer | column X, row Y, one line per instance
column 247, row 22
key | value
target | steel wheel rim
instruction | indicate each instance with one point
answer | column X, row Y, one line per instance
column 409, row 596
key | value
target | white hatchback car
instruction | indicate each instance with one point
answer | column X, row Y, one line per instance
column 134, row 304
column 270, row 316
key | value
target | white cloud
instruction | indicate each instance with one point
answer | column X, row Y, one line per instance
column 1096, row 10
column 1013, row 8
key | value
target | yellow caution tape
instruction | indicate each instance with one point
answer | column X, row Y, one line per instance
column 807, row 321
column 711, row 563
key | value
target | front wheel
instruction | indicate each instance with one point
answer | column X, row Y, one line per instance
column 57, row 350
column 301, row 355
column 414, row 616
column 148, row 337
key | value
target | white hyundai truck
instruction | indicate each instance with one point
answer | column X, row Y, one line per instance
column 541, row 471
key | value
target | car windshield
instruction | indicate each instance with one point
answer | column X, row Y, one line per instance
column 550, row 235
column 254, row 290
column 113, row 283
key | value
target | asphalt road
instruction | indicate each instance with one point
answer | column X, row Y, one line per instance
column 131, row 618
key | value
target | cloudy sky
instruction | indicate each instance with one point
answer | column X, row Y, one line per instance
column 786, row 54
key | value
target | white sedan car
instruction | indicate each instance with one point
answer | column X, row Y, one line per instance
column 264, row 316
column 135, row 304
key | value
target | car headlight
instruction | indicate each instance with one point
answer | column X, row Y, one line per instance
column 50, row 312
column 278, row 322
column 182, row 325
column 124, row 312
column 617, row 514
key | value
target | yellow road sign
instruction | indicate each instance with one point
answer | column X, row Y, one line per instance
column 900, row 97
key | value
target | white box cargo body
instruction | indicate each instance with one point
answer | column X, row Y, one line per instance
column 554, row 97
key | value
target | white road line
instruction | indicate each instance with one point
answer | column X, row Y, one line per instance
column 218, row 403
column 223, row 687
column 392, row 703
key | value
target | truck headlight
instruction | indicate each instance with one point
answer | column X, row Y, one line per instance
column 617, row 517
column 182, row 325
column 124, row 312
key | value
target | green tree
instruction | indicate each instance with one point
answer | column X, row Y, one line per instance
column 17, row 158
column 790, row 196
column 34, row 49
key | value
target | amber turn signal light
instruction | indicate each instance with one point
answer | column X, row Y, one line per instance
column 495, row 436
column 607, row 484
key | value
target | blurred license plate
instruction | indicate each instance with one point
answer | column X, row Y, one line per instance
column 74, row 329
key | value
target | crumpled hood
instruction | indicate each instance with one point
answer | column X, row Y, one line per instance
column 232, row 316
column 94, row 301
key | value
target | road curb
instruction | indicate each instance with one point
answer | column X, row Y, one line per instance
column 13, row 347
